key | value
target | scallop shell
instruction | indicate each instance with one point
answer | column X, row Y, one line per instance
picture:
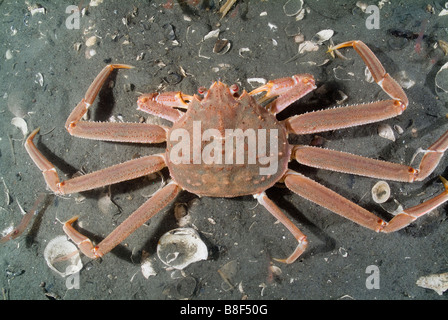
column 62, row 256
column 181, row 247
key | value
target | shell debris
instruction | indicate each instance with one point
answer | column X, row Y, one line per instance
column 62, row 256
column 181, row 247
column 21, row 124
column 381, row 192
column 385, row 131
column 436, row 282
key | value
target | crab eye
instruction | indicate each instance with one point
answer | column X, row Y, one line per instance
column 202, row 90
column 234, row 88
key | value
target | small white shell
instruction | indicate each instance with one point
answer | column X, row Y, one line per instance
column 91, row 41
column 62, row 256
column 381, row 192
column 21, row 124
column 322, row 36
column 385, row 131
column 255, row 82
column 180, row 247
column 148, row 269
column 212, row 34
column 8, row 54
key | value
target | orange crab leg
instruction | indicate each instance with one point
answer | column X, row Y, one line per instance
column 317, row 193
column 107, row 131
column 120, row 172
column 277, row 213
column 287, row 91
column 145, row 212
column 350, row 116
column 163, row 104
column 354, row 164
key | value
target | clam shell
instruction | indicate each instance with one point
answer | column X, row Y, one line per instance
column 181, row 247
column 62, row 256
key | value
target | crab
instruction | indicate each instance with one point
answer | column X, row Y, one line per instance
column 205, row 157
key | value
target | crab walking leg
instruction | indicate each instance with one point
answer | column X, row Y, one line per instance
column 157, row 202
column 354, row 164
column 379, row 74
column 343, row 117
column 350, row 116
column 163, row 104
column 107, row 131
column 317, row 193
column 280, row 216
column 120, row 172
column 287, row 91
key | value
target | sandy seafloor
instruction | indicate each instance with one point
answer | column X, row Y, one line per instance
column 236, row 230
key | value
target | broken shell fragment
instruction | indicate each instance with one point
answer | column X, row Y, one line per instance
column 441, row 82
column 39, row 79
column 436, row 282
column 148, row 269
column 62, row 256
column 403, row 80
column 21, row 124
column 308, row 46
column 385, row 131
column 292, row 7
column 381, row 192
column 181, row 247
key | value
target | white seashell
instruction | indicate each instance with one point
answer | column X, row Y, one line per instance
column 91, row 41
column 180, row 247
column 444, row 12
column 436, row 282
column 385, row 131
column 322, row 36
column 62, row 256
column 368, row 75
column 272, row 26
column 212, row 34
column 301, row 15
column 8, row 54
column 148, row 269
column 39, row 79
column 362, row 5
column 21, row 124
column 381, row 192
column 241, row 52
column 95, row 3
column 254, row 82
column 308, row 46
column 41, row 10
